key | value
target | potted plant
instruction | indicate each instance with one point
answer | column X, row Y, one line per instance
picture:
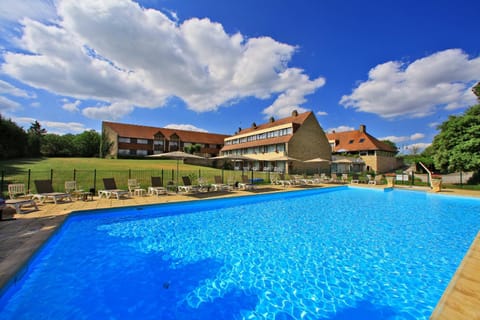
column 390, row 179
column 436, row 183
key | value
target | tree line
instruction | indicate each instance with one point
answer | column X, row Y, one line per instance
column 15, row 142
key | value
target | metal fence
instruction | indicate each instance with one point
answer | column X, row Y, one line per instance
column 92, row 179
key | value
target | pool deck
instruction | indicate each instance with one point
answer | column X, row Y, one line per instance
column 21, row 238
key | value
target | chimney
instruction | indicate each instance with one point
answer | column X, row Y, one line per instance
column 254, row 125
column 239, row 129
column 272, row 119
column 363, row 128
column 294, row 113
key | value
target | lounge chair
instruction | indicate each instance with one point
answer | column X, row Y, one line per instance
column 246, row 184
column 80, row 194
column 355, row 179
column 19, row 203
column 135, row 188
column 187, row 187
column 45, row 191
column 157, row 187
column 17, row 190
column 111, row 189
column 219, row 185
column 284, row 182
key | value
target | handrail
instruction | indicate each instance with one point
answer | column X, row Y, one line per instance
column 429, row 173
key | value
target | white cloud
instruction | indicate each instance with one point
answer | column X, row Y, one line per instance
column 71, row 106
column 394, row 139
column 417, row 136
column 52, row 126
column 113, row 111
column 36, row 9
column 322, row 113
column 415, row 148
column 340, row 129
column 397, row 139
column 126, row 56
column 441, row 80
column 7, row 88
column 8, row 105
column 187, row 127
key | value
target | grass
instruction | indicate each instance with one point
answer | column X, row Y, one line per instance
column 88, row 172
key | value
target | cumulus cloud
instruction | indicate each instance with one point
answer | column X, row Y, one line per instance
column 62, row 127
column 322, row 113
column 398, row 139
column 8, row 105
column 126, row 56
column 112, row 111
column 72, row 106
column 7, row 88
column 52, row 126
column 441, row 80
column 187, row 127
column 16, row 10
column 340, row 129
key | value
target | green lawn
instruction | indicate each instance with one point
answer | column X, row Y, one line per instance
column 88, row 172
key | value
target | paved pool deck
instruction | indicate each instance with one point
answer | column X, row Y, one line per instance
column 22, row 237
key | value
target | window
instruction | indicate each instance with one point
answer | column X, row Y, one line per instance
column 142, row 141
column 361, row 140
column 123, row 139
column 123, row 152
column 350, row 142
column 142, row 152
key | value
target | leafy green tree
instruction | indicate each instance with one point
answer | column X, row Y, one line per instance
column 13, row 139
column 457, row 146
column 87, row 144
column 35, row 135
column 54, row 145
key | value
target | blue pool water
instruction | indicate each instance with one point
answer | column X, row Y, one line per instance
column 315, row 254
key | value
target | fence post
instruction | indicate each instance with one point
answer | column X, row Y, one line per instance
column 163, row 181
column 129, row 173
column 199, row 173
column 51, row 175
column 95, row 179
column 74, row 174
column 1, row 185
column 28, row 179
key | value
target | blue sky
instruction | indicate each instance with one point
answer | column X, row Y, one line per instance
column 399, row 67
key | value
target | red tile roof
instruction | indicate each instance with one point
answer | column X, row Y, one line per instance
column 357, row 140
column 296, row 119
column 144, row 132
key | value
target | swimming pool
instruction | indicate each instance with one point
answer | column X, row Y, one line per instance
column 342, row 253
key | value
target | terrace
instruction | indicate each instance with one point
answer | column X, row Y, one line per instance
column 20, row 238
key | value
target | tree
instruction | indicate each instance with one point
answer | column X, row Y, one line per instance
column 87, row 144
column 54, row 145
column 457, row 146
column 35, row 135
column 13, row 139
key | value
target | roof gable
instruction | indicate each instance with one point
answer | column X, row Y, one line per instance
column 145, row 132
column 357, row 140
column 297, row 120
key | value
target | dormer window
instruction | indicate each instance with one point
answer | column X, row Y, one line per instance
column 350, row 142
column 361, row 140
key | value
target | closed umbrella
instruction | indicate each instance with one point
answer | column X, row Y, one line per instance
column 179, row 155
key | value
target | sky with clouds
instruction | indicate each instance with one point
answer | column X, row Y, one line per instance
column 399, row 68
